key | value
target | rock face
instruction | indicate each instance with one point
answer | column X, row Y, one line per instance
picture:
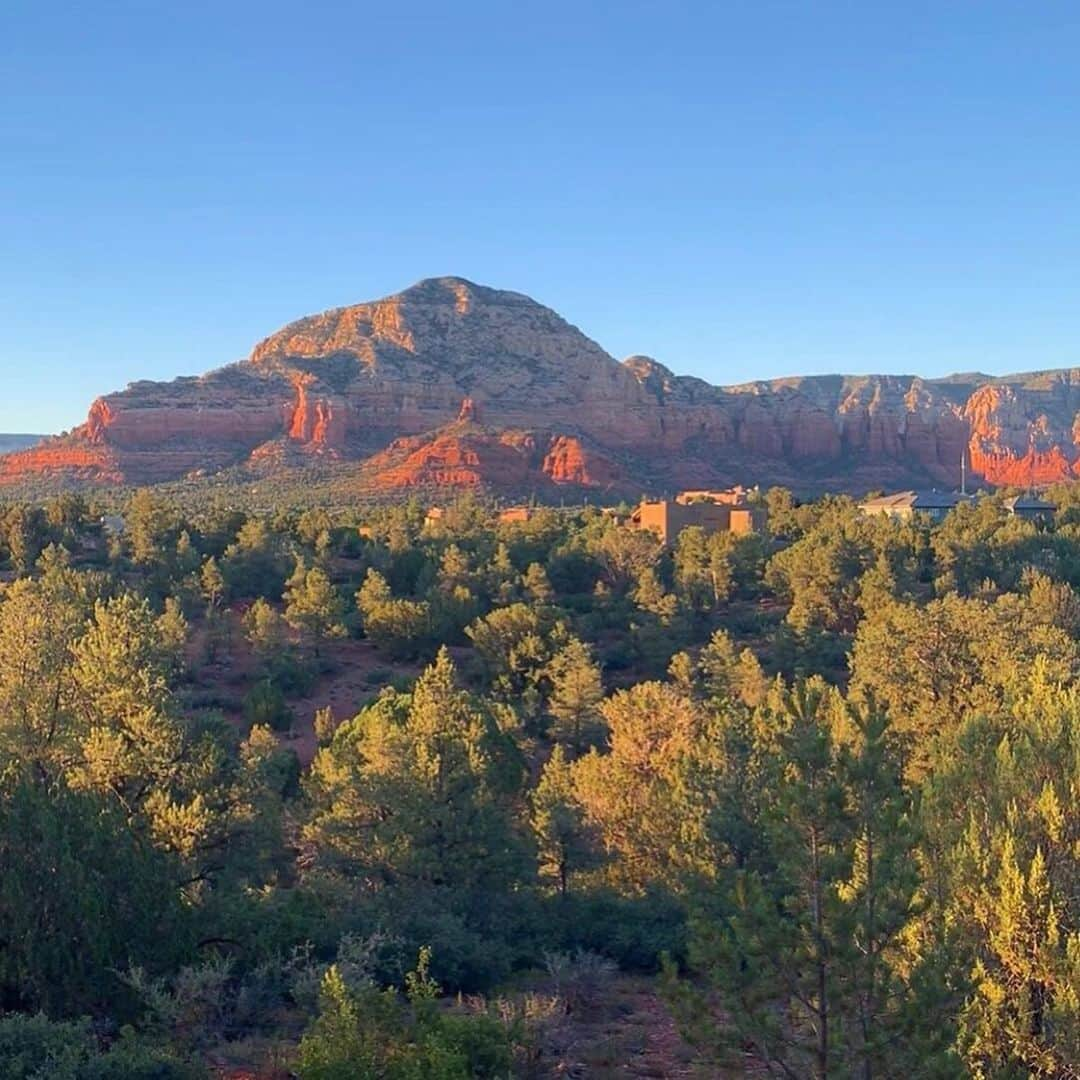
column 451, row 383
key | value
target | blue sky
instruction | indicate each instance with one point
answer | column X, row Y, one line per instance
column 741, row 190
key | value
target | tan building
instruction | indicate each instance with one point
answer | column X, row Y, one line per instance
column 714, row 511
column 517, row 513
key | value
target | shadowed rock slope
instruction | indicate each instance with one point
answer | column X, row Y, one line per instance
column 450, row 383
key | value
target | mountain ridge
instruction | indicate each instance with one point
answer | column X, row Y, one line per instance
column 545, row 407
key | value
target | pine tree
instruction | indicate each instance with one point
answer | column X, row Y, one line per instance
column 39, row 625
column 650, row 596
column 454, row 569
column 880, row 898
column 265, row 630
column 82, row 897
column 173, row 629
column 402, row 627
column 576, row 692
column 213, row 582
column 566, row 844
column 999, row 808
column 131, row 740
column 799, row 942
column 536, row 585
column 313, row 606
column 635, row 795
column 704, row 570
column 502, row 578
column 413, row 796
column 150, row 527
column 187, row 558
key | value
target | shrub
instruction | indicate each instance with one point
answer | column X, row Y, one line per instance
column 36, row 1048
column 374, row 1034
column 265, row 705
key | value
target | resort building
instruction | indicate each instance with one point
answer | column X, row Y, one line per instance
column 714, row 511
column 904, row 505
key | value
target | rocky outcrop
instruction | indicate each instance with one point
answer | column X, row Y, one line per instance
column 68, row 459
column 569, row 461
column 456, row 459
column 317, row 421
column 453, row 383
column 465, row 455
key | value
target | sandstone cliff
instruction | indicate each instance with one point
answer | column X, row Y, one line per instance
column 451, row 383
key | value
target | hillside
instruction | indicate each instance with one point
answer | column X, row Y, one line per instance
column 451, row 383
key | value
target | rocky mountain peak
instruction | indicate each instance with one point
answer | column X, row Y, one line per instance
column 450, row 381
column 439, row 322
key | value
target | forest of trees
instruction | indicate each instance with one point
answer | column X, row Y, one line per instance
column 819, row 787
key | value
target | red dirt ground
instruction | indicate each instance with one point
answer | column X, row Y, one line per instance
column 357, row 672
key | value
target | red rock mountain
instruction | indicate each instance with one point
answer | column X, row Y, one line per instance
column 451, row 383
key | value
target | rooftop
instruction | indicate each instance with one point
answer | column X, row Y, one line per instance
column 1028, row 502
column 916, row 500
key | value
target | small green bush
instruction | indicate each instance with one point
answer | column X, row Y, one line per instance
column 265, row 705
column 36, row 1048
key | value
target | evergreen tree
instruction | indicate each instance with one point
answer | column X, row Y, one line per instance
column 576, row 693
column 536, row 585
column 731, row 675
column 635, row 795
column 799, row 946
column 265, row 630
column 402, row 627
column 82, row 898
column 173, row 630
column 213, row 582
column 999, row 809
column 313, row 606
column 567, row 845
column 411, row 802
column 151, row 527
column 39, row 627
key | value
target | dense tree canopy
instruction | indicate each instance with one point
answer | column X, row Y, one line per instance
column 291, row 775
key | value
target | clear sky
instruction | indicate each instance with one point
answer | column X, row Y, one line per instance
column 741, row 190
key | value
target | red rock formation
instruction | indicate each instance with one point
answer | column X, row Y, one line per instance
column 568, row 462
column 1012, row 442
column 349, row 382
column 452, row 460
column 317, row 421
column 1032, row 469
column 59, row 458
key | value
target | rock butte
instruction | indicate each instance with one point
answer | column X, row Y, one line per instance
column 451, row 383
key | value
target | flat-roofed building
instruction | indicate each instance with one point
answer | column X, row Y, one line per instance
column 904, row 505
column 517, row 513
column 714, row 511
